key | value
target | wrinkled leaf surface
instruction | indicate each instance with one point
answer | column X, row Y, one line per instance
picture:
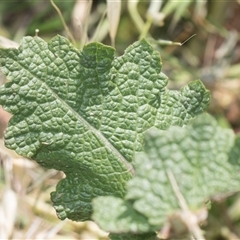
column 202, row 157
column 85, row 112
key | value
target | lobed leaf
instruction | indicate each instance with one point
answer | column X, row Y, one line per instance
column 85, row 112
column 204, row 160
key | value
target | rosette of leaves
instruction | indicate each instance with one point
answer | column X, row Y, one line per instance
column 85, row 112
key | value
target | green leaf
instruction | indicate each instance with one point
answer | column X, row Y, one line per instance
column 85, row 112
column 123, row 218
column 128, row 236
column 202, row 157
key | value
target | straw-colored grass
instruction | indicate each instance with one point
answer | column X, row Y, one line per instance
column 25, row 208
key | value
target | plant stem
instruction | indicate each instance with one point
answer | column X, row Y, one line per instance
column 64, row 23
column 189, row 218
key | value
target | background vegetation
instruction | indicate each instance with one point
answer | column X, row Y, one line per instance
column 213, row 56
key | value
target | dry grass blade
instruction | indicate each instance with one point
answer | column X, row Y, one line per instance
column 153, row 17
column 154, row 13
column 188, row 217
column 9, row 207
column 113, row 14
column 177, row 8
column 80, row 19
column 9, row 202
column 63, row 22
column 138, row 21
column 26, row 213
column 7, row 43
column 7, row 151
column 51, row 232
column 101, row 30
column 33, row 228
column 3, row 228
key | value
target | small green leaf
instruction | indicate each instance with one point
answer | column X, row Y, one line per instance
column 123, row 218
column 204, row 160
column 128, row 236
column 85, row 112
